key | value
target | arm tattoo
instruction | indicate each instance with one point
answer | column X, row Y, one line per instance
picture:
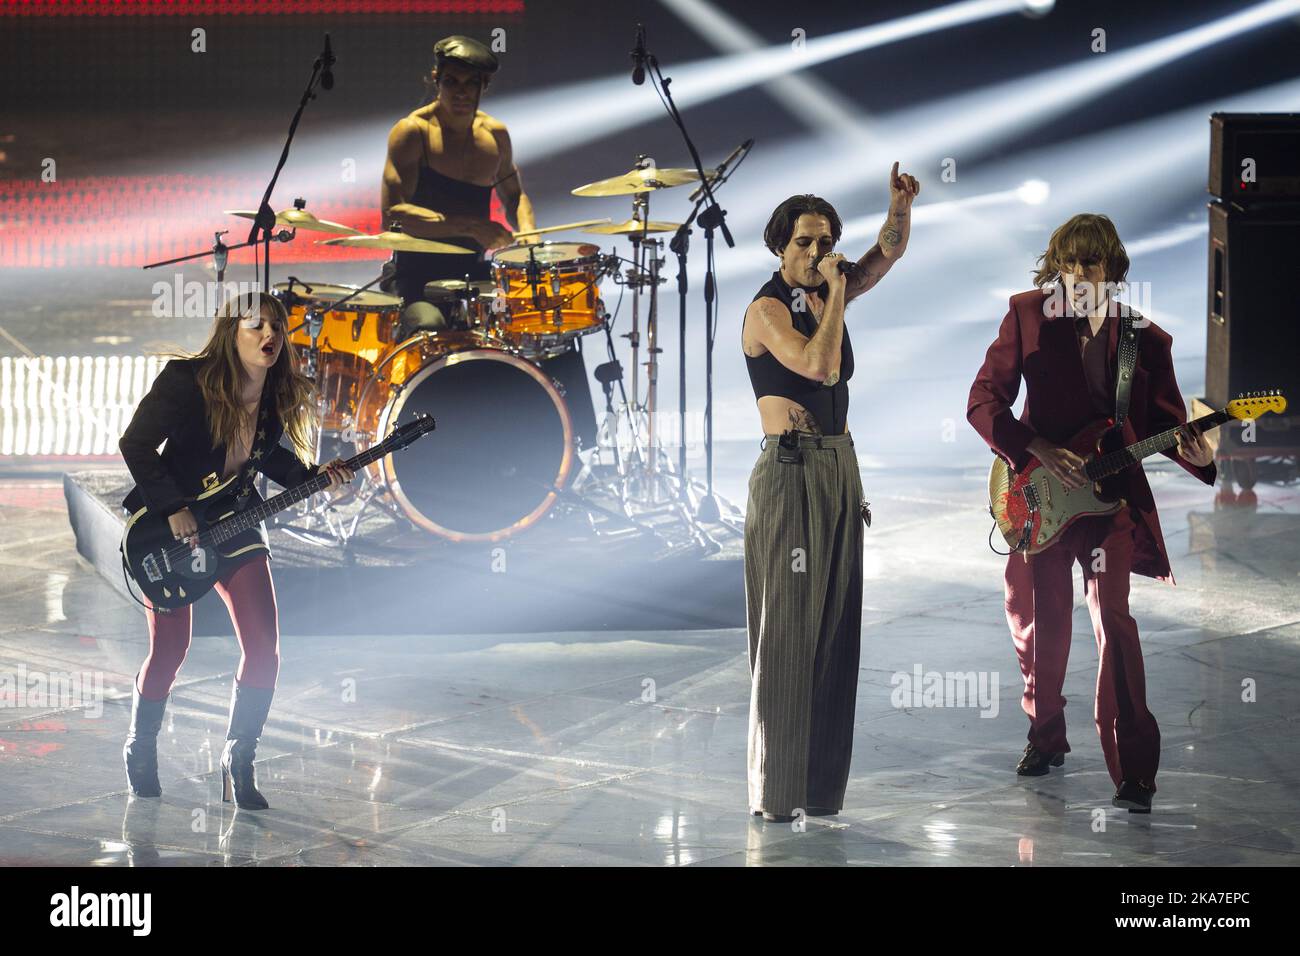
column 890, row 236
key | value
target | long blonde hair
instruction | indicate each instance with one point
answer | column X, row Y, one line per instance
column 221, row 376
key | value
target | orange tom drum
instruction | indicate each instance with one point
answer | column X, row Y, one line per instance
column 548, row 293
column 352, row 338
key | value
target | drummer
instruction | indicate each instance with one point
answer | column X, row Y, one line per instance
column 444, row 160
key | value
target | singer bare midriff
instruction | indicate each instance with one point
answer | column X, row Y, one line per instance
column 822, row 354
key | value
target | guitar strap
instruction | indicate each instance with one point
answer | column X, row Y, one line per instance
column 1129, row 332
column 258, row 451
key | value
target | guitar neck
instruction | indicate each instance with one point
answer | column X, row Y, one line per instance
column 225, row 530
column 1117, row 461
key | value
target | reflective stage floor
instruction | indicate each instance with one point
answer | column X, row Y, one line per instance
column 628, row 747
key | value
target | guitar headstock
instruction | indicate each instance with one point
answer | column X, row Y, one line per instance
column 1254, row 404
column 403, row 435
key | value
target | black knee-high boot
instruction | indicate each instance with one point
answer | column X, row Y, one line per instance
column 141, row 748
column 248, row 709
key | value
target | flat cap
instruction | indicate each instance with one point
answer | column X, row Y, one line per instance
column 468, row 51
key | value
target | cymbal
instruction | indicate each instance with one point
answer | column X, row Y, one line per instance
column 630, row 227
column 397, row 241
column 639, row 181
column 560, row 228
column 324, row 293
column 545, row 252
column 299, row 219
column 479, row 286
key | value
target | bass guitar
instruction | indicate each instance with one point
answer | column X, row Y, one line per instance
column 173, row 574
column 1033, row 508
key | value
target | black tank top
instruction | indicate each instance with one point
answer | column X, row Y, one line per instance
column 452, row 197
column 828, row 404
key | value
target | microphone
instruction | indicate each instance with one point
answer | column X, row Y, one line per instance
column 716, row 174
column 638, row 57
column 327, row 66
column 845, row 266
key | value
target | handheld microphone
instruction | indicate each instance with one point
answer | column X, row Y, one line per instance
column 327, row 66
column 845, row 266
column 638, row 57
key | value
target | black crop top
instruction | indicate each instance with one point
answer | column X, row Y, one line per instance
column 828, row 404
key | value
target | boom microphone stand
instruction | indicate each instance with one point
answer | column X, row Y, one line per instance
column 322, row 71
column 712, row 217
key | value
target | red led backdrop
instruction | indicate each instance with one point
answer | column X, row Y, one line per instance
column 152, row 8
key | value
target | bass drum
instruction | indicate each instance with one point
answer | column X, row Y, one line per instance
column 503, row 446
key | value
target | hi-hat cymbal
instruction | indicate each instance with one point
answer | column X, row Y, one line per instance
column 639, row 181
column 631, row 227
column 398, row 242
column 299, row 219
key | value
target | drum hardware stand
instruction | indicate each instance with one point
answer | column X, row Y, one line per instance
column 579, row 503
column 642, row 473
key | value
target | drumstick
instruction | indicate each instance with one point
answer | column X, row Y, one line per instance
column 560, row 228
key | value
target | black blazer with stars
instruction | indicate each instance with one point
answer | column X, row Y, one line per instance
column 174, row 411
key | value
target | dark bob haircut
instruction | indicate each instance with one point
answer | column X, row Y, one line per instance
column 780, row 227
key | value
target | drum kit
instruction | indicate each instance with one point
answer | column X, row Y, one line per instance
column 505, row 450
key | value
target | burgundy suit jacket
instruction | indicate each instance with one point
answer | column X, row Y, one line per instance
column 1043, row 350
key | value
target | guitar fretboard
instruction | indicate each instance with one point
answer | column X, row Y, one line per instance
column 225, row 530
column 1117, row 461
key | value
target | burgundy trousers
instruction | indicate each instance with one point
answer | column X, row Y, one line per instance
column 250, row 599
column 1039, row 604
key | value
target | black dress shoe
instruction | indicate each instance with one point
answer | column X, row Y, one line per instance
column 1035, row 762
column 777, row 817
column 1132, row 796
column 821, row 812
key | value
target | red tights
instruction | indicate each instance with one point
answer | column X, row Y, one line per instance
column 250, row 599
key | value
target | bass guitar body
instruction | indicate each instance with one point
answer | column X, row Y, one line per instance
column 170, row 573
column 1032, row 508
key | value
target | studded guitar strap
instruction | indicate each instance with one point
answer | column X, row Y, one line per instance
column 1129, row 332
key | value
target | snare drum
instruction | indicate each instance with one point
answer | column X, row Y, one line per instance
column 548, row 293
column 466, row 304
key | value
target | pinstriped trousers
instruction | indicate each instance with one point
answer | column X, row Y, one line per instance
column 803, row 592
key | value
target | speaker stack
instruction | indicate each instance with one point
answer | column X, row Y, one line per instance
column 1253, row 327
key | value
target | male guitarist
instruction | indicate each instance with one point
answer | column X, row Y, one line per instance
column 1064, row 339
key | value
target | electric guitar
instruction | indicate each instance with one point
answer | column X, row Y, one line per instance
column 173, row 574
column 1032, row 507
